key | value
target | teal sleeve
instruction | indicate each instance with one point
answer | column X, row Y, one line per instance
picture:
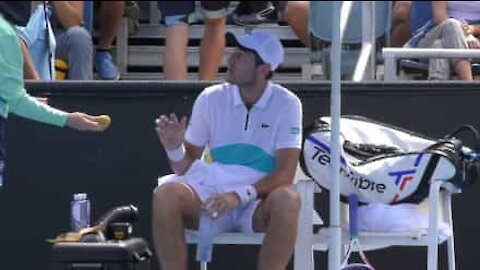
column 13, row 96
column 28, row 107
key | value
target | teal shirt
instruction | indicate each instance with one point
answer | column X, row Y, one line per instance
column 13, row 96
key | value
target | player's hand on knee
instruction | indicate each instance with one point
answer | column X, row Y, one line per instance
column 219, row 204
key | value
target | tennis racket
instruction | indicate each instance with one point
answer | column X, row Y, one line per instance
column 354, row 245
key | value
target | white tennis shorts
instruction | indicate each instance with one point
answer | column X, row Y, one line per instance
column 209, row 179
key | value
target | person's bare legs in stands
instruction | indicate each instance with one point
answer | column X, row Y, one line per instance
column 111, row 13
column 448, row 34
column 463, row 69
column 213, row 41
column 400, row 23
column 296, row 15
column 175, row 55
column 212, row 47
column 176, row 17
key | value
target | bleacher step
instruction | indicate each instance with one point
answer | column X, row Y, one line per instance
column 152, row 56
column 194, row 76
column 196, row 31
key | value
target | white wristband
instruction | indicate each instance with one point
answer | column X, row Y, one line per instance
column 176, row 154
column 246, row 194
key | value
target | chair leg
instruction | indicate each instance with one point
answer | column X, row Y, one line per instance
column 434, row 194
column 303, row 257
column 203, row 265
column 451, row 239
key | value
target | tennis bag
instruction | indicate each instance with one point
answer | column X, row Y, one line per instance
column 383, row 163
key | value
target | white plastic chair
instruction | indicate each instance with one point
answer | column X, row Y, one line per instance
column 440, row 208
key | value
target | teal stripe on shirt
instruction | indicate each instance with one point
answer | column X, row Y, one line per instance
column 244, row 154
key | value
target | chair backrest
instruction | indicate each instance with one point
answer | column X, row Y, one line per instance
column 320, row 28
column 320, row 21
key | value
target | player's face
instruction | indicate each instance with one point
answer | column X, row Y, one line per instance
column 242, row 67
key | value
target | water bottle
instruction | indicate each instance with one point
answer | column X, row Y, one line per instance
column 80, row 212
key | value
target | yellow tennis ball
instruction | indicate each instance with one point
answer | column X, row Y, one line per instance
column 104, row 121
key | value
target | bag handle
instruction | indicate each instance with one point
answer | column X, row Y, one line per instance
column 474, row 132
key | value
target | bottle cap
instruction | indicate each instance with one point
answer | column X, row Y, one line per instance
column 80, row 196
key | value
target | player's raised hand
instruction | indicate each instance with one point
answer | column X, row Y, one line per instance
column 170, row 131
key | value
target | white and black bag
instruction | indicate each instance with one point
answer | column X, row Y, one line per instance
column 388, row 164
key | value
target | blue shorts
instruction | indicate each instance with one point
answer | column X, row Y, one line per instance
column 183, row 12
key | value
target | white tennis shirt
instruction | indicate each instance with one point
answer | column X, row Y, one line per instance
column 243, row 142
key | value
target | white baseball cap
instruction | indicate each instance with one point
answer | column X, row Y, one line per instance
column 265, row 44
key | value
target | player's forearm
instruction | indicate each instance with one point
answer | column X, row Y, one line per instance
column 182, row 166
column 272, row 181
column 282, row 175
column 180, row 159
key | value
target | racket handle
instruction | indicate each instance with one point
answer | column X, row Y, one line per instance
column 353, row 214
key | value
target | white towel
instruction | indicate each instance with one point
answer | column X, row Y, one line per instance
column 378, row 217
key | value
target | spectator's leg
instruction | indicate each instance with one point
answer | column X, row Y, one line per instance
column 212, row 48
column 400, row 23
column 452, row 36
column 463, row 69
column 455, row 38
column 111, row 13
column 213, row 42
column 176, row 17
column 175, row 63
column 278, row 217
column 175, row 207
column 75, row 46
column 439, row 68
column 296, row 15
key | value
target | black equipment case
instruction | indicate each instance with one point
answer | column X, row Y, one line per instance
column 130, row 254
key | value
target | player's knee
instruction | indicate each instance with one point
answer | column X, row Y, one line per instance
column 285, row 200
column 168, row 197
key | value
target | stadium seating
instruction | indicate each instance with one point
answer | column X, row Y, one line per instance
column 140, row 56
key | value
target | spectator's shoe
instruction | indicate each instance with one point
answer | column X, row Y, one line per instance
column 239, row 17
column 106, row 69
